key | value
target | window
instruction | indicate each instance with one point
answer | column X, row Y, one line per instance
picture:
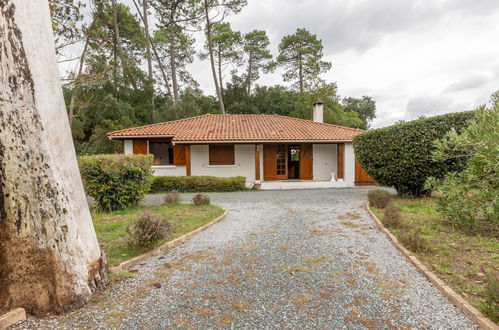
column 221, row 154
column 162, row 151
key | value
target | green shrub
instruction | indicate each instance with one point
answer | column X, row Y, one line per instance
column 197, row 184
column 414, row 241
column 400, row 155
column 172, row 197
column 116, row 181
column 392, row 217
column 470, row 198
column 148, row 230
column 201, row 199
column 491, row 293
column 379, row 198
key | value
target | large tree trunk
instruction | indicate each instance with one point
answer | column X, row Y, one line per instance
column 50, row 260
column 212, row 60
column 173, row 67
column 149, row 59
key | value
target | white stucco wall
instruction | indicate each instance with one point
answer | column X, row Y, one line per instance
column 325, row 161
column 349, row 166
column 168, row 170
column 244, row 158
column 128, row 147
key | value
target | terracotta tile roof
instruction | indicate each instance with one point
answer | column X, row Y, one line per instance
column 218, row 127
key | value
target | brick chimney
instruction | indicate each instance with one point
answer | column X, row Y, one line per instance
column 318, row 112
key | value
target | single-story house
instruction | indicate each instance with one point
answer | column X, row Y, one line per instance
column 264, row 149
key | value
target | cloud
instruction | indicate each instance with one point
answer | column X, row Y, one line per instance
column 470, row 82
column 430, row 106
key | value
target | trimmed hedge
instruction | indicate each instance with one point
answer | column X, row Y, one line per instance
column 197, row 184
column 116, row 181
column 400, row 155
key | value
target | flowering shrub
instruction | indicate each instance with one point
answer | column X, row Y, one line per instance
column 148, row 230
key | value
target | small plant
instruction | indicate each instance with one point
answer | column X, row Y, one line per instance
column 172, row 197
column 148, row 230
column 392, row 217
column 379, row 198
column 413, row 240
column 491, row 294
column 201, row 199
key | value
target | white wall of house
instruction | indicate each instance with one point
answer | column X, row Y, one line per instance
column 325, row 161
column 244, row 159
column 169, row 170
column 349, row 165
column 128, row 147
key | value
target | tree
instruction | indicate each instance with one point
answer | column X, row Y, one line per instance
column 365, row 107
column 470, row 198
column 49, row 255
column 226, row 45
column 301, row 55
column 66, row 14
column 215, row 12
column 256, row 45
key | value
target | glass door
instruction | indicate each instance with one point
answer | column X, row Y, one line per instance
column 282, row 161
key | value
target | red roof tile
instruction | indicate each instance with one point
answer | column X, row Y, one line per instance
column 217, row 127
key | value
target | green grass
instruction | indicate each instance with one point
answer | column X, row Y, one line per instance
column 454, row 255
column 111, row 228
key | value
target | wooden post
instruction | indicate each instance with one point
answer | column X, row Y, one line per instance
column 188, row 160
column 340, row 170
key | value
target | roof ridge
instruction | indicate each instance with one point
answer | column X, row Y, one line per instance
column 328, row 124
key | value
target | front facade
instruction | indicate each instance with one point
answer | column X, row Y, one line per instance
column 262, row 148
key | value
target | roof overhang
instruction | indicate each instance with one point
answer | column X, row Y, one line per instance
column 261, row 141
column 131, row 137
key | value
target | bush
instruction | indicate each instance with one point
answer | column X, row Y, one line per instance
column 379, row 198
column 197, row 184
column 399, row 156
column 470, row 198
column 491, row 293
column 116, row 181
column 201, row 199
column 172, row 197
column 148, row 230
column 392, row 217
column 413, row 240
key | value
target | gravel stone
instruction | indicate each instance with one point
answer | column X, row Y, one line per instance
column 280, row 259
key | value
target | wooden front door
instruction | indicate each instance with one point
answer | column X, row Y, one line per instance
column 269, row 162
column 281, row 161
column 306, row 162
column 362, row 178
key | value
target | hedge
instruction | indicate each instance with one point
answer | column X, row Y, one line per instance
column 116, row 181
column 400, row 155
column 197, row 184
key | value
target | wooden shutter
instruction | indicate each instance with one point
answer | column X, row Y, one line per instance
column 269, row 162
column 306, row 162
column 140, row 147
column 221, row 154
column 341, row 151
column 188, row 160
column 257, row 163
column 179, row 155
column 362, row 178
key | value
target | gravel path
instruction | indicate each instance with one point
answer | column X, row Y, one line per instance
column 281, row 259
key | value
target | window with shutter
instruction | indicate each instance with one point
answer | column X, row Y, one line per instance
column 221, row 154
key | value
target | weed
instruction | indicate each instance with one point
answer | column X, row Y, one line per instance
column 413, row 240
column 201, row 199
column 379, row 198
column 241, row 306
column 318, row 261
column 119, row 275
column 172, row 197
column 301, row 300
column 392, row 217
column 292, row 269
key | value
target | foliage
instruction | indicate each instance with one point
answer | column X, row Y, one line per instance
column 400, row 155
column 392, row 217
column 255, row 47
column 197, row 184
column 471, row 198
column 66, row 15
column 491, row 293
column 116, row 181
column 414, row 241
column 365, row 107
column 379, row 198
column 148, row 230
column 172, row 197
column 300, row 54
column 201, row 199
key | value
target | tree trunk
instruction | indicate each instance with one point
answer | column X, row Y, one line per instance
column 75, row 88
column 49, row 255
column 248, row 78
column 149, row 59
column 220, row 82
column 173, row 67
column 300, row 73
column 212, row 60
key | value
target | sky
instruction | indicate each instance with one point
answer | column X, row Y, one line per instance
column 414, row 57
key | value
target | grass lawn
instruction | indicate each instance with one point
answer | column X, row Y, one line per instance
column 454, row 255
column 111, row 228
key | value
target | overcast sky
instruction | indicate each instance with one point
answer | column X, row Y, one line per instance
column 414, row 57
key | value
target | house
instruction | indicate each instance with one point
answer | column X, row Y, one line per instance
column 272, row 150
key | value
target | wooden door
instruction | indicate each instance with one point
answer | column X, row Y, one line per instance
column 362, row 178
column 140, row 147
column 306, row 162
column 339, row 167
column 281, row 156
column 269, row 162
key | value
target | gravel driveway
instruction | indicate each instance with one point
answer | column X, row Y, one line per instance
column 280, row 259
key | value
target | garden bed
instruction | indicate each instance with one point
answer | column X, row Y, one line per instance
column 111, row 228
column 458, row 257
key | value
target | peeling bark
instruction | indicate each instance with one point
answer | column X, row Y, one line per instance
column 50, row 260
